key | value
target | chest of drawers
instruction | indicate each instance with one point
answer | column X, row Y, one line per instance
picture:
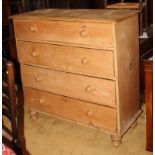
column 81, row 65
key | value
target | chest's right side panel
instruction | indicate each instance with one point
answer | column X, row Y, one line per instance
column 127, row 71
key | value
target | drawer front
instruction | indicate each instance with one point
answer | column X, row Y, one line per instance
column 76, row 86
column 71, row 59
column 96, row 35
column 72, row 109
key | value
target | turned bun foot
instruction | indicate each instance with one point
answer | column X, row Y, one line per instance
column 116, row 140
column 134, row 124
column 33, row 115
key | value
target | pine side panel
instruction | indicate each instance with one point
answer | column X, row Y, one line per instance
column 127, row 74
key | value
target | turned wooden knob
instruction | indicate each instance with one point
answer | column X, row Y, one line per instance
column 34, row 100
column 84, row 60
column 38, row 79
column 89, row 89
column 32, row 28
column 83, row 32
column 41, row 100
column 90, row 113
column 34, row 54
column 38, row 101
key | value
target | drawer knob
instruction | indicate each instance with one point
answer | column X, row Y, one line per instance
column 84, row 60
column 34, row 100
column 41, row 100
column 89, row 89
column 38, row 79
column 90, row 113
column 83, row 33
column 34, row 54
column 32, row 28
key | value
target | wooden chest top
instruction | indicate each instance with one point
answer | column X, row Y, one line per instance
column 88, row 15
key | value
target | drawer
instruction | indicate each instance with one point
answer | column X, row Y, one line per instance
column 72, row 109
column 96, row 35
column 76, row 86
column 71, row 59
